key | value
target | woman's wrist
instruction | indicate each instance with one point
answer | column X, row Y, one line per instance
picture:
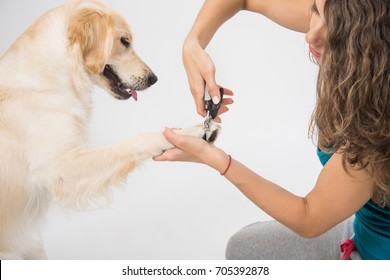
column 218, row 159
column 192, row 43
column 199, row 37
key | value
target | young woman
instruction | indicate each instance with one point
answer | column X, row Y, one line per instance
column 350, row 40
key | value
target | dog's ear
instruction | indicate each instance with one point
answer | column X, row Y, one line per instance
column 90, row 29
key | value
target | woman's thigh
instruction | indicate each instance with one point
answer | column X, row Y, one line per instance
column 273, row 241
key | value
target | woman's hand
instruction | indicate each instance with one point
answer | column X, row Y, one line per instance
column 193, row 149
column 200, row 71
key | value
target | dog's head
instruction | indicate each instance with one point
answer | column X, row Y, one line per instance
column 105, row 45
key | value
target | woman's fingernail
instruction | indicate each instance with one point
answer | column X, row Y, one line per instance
column 163, row 129
column 215, row 99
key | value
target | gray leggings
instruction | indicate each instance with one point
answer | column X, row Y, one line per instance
column 273, row 241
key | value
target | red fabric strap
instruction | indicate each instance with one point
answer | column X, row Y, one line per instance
column 346, row 249
column 227, row 168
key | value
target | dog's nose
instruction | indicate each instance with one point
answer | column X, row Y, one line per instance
column 152, row 79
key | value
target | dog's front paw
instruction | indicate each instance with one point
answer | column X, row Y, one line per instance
column 209, row 135
column 156, row 144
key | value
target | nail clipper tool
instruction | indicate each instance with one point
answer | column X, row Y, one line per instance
column 210, row 107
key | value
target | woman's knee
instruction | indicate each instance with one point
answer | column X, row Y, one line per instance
column 252, row 242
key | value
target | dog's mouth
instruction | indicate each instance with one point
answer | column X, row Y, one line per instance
column 122, row 90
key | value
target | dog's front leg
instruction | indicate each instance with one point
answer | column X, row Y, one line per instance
column 149, row 145
column 86, row 176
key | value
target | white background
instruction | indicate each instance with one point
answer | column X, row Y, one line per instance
column 185, row 210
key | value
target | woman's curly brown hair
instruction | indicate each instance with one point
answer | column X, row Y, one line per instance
column 352, row 113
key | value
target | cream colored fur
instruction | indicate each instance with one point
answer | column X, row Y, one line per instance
column 45, row 103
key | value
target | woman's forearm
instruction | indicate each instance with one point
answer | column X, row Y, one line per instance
column 279, row 203
column 285, row 207
column 211, row 16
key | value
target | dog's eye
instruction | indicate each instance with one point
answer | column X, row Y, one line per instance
column 125, row 42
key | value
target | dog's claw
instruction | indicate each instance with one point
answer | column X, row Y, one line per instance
column 211, row 132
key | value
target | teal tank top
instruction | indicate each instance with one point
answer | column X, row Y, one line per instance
column 371, row 227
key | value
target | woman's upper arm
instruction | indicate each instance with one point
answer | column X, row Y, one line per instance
column 337, row 194
column 292, row 14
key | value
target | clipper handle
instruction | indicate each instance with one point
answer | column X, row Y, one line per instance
column 210, row 106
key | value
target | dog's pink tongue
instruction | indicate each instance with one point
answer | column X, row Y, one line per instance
column 134, row 95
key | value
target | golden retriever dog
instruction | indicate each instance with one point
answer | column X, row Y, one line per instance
column 46, row 80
